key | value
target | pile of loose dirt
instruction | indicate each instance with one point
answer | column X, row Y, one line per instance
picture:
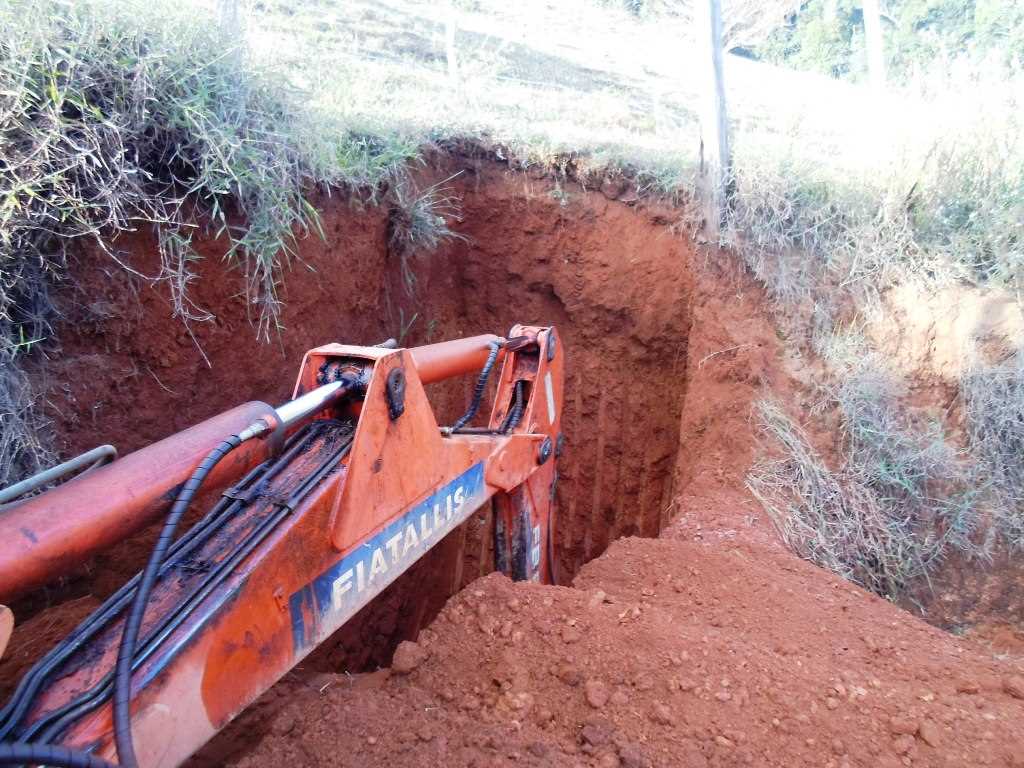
column 667, row 653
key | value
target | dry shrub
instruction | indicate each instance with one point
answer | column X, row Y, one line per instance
column 993, row 397
column 901, row 500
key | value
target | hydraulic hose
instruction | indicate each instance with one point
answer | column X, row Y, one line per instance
column 21, row 753
column 481, row 387
column 515, row 414
column 130, row 635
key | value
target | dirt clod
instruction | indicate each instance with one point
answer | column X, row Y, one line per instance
column 408, row 656
column 596, row 693
column 1014, row 685
column 661, row 714
column 929, row 733
column 903, row 726
column 596, row 734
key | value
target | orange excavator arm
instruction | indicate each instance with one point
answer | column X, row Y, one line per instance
column 333, row 495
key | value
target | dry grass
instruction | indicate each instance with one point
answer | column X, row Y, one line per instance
column 993, row 397
column 418, row 222
column 902, row 497
column 117, row 116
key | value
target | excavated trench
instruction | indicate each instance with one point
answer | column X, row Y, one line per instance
column 664, row 360
column 612, row 278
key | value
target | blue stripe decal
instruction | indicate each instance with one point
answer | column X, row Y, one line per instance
column 339, row 592
column 300, row 604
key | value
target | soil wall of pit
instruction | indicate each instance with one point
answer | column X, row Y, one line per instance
column 611, row 276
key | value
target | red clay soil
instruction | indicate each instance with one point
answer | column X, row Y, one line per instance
column 709, row 646
column 667, row 653
column 613, row 278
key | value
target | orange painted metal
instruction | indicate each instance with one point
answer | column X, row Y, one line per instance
column 48, row 535
column 525, row 514
column 447, row 359
column 399, row 486
column 6, row 627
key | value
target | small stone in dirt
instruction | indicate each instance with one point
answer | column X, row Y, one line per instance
column 832, row 703
column 596, row 693
column 929, row 733
column 569, row 675
column 608, row 760
column 284, row 724
column 631, row 757
column 970, row 687
column 903, row 744
column 643, row 682
column 620, row 697
column 596, row 599
column 537, row 749
column 903, row 726
column 408, row 656
column 661, row 714
column 571, row 635
column 1014, row 685
column 838, row 747
column 424, row 733
column 596, row 734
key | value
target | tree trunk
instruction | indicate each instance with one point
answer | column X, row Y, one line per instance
column 873, row 43
column 230, row 16
column 716, row 163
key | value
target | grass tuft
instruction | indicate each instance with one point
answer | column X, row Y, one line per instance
column 418, row 222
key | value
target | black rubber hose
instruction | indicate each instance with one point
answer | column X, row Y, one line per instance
column 130, row 635
column 515, row 414
column 22, row 753
column 29, row 685
column 481, row 387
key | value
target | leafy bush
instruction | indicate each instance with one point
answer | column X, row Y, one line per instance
column 827, row 36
